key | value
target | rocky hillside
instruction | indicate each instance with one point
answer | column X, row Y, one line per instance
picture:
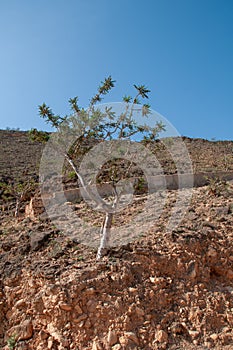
column 164, row 290
column 20, row 158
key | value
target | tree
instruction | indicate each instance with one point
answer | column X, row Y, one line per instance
column 19, row 191
column 94, row 126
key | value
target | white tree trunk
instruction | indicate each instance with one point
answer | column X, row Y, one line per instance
column 106, row 227
column 105, row 232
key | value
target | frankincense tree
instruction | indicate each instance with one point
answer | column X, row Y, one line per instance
column 94, row 125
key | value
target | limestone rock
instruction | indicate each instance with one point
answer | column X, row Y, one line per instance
column 96, row 345
column 132, row 336
column 65, row 307
column 117, row 347
column 37, row 239
column 161, row 336
column 23, row 331
column 112, row 337
column 230, row 274
column 35, row 208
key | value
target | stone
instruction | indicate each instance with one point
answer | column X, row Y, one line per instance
column 88, row 323
column 65, row 307
column 43, row 335
column 214, row 336
column 91, row 305
column 178, row 328
column 50, row 343
column 212, row 253
column 132, row 336
column 78, row 309
column 127, row 321
column 34, row 209
column 161, row 336
column 112, row 337
column 223, row 210
column 38, row 239
column 230, row 274
column 230, row 318
column 96, row 345
column 208, row 344
column 117, row 347
column 23, row 331
column 226, row 337
column 193, row 334
column 80, row 318
column 140, row 312
column 123, row 340
column 192, row 269
column 19, row 304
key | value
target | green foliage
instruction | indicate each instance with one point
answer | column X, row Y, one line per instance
column 95, row 125
column 127, row 99
column 11, row 342
column 6, row 194
column 36, row 135
column 103, row 89
column 101, row 125
column 72, row 175
column 49, row 116
column 142, row 90
column 141, row 184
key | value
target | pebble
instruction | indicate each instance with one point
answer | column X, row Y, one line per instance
column 161, row 336
column 132, row 336
column 65, row 307
column 112, row 338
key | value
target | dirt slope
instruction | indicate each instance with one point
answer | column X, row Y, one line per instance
column 20, row 158
column 162, row 291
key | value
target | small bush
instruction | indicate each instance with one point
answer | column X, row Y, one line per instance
column 72, row 175
column 11, row 342
column 218, row 187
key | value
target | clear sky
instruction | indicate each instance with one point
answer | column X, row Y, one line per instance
column 182, row 50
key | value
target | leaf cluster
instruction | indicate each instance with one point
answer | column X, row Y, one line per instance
column 100, row 124
column 39, row 136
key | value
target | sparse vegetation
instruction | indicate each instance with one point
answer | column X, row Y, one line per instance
column 218, row 187
column 18, row 192
column 72, row 175
column 36, row 135
column 11, row 342
column 176, row 281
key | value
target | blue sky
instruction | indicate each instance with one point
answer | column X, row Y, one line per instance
column 182, row 50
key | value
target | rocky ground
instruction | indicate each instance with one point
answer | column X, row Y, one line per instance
column 20, row 157
column 162, row 290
